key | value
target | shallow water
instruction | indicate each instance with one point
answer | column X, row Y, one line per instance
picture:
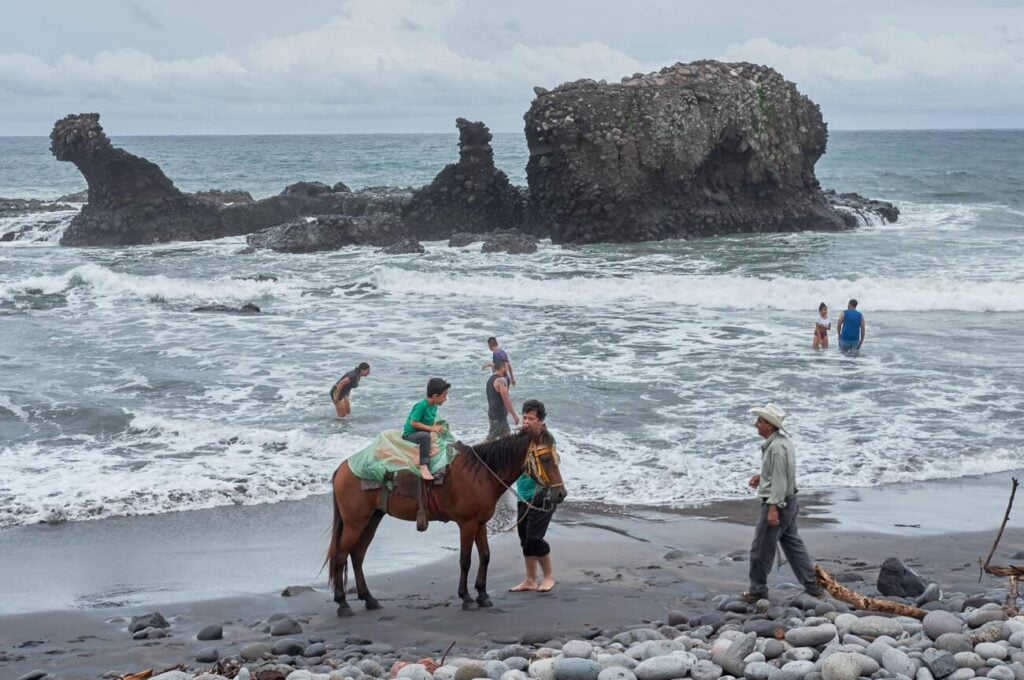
column 117, row 400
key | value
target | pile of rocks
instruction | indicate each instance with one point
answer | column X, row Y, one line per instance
column 804, row 639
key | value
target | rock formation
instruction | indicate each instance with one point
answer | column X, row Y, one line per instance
column 693, row 150
column 130, row 199
column 330, row 232
column 471, row 195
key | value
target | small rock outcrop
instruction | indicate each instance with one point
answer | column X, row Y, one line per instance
column 471, row 195
column 247, row 308
column 894, row 578
column 224, row 198
column 693, row 150
column 511, row 242
column 407, row 246
column 331, row 232
column 130, row 199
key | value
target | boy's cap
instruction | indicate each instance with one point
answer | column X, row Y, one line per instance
column 436, row 386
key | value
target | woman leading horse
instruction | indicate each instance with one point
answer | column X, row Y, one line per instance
column 477, row 478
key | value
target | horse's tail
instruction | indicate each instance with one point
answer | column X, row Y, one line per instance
column 333, row 556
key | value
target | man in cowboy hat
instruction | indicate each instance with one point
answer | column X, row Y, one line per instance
column 776, row 486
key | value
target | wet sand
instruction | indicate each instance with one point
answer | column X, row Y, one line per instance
column 614, row 568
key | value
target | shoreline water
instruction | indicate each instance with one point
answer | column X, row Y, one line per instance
column 614, row 568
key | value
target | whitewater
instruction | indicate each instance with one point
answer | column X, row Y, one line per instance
column 118, row 399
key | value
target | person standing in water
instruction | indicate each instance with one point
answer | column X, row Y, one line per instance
column 498, row 354
column 341, row 389
column 499, row 404
column 850, row 329
column 822, row 325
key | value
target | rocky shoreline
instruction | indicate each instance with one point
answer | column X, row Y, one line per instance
column 698, row 149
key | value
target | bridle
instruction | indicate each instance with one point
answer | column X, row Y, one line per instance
column 535, row 469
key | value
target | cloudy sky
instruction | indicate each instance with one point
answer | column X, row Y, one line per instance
column 334, row 66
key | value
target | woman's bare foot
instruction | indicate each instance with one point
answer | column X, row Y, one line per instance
column 546, row 585
column 425, row 472
column 524, row 586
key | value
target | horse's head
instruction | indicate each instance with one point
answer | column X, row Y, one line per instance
column 542, row 465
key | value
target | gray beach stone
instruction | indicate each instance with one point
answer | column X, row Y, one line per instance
column 575, row 668
column 938, row 623
column 577, row 649
column 446, row 672
column 968, row 660
column 754, row 657
column 542, row 669
column 1017, row 639
column 371, row 667
column 255, row 650
column 930, row 594
column 731, row 660
column 897, row 662
column 939, row 662
column 289, row 647
column 953, row 643
column 811, row 636
column 763, row 627
column 759, row 670
column 513, row 650
column 704, row 669
column 868, row 666
column 1001, row 673
column 1018, row 669
column 207, row 655
column 619, row 673
column 511, row 674
column 315, row 649
column 285, row 626
column 415, row 671
column 875, row 626
column 213, row 632
column 840, row 666
column 794, row 670
column 494, row 669
column 151, row 620
column 991, row 650
column 989, row 632
column 961, row 674
column 894, row 578
column 667, row 667
column 801, row 654
column 924, row 674
column 33, row 675
column 979, row 617
column 773, row 648
column 516, row 663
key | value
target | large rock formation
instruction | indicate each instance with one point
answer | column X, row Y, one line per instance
column 693, row 150
column 469, row 196
column 130, row 199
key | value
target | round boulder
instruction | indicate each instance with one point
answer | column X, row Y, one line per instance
column 874, row 626
column 938, row 623
column 840, row 666
column 575, row 668
column 666, row 667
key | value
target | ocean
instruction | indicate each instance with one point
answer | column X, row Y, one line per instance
column 117, row 400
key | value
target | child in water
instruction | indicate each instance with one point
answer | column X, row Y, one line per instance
column 822, row 324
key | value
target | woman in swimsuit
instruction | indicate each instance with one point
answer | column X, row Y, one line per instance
column 822, row 324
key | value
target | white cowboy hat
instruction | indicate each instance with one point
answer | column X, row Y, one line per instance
column 772, row 413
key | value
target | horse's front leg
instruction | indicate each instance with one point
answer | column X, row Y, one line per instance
column 484, row 551
column 467, row 534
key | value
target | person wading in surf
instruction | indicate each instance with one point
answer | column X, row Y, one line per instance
column 499, row 404
column 341, row 389
column 776, row 486
column 850, row 328
column 420, row 423
column 533, row 517
column 498, row 354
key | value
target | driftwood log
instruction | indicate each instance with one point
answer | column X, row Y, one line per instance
column 1012, row 572
column 877, row 604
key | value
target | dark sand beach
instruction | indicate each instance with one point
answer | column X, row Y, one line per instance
column 69, row 590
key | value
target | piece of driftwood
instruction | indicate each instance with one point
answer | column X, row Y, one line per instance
column 1013, row 572
column 876, row 604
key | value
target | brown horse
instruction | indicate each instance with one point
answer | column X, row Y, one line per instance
column 478, row 476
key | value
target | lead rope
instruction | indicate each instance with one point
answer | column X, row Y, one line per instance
column 507, row 488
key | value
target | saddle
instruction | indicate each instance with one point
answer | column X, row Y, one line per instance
column 405, row 483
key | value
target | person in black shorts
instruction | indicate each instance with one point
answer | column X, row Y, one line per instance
column 341, row 389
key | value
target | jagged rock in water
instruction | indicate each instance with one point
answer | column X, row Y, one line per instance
column 408, row 246
column 692, row 150
column 223, row 198
column 463, row 239
column 76, row 197
column 130, row 199
column 511, row 242
column 247, row 308
column 471, row 195
column 857, row 210
column 330, row 232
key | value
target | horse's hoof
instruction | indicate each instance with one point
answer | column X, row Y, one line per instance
column 484, row 602
column 371, row 603
column 469, row 606
column 344, row 610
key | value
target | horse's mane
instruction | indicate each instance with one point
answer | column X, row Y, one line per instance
column 501, row 455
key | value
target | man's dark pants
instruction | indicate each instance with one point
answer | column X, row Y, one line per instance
column 532, row 525
column 422, row 438
column 762, row 550
column 499, row 429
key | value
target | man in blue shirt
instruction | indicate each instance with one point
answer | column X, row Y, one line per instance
column 850, row 329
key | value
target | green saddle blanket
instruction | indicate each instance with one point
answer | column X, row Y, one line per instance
column 388, row 452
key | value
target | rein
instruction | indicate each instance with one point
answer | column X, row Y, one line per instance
column 547, row 506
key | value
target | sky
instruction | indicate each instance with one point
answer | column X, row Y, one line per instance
column 364, row 66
